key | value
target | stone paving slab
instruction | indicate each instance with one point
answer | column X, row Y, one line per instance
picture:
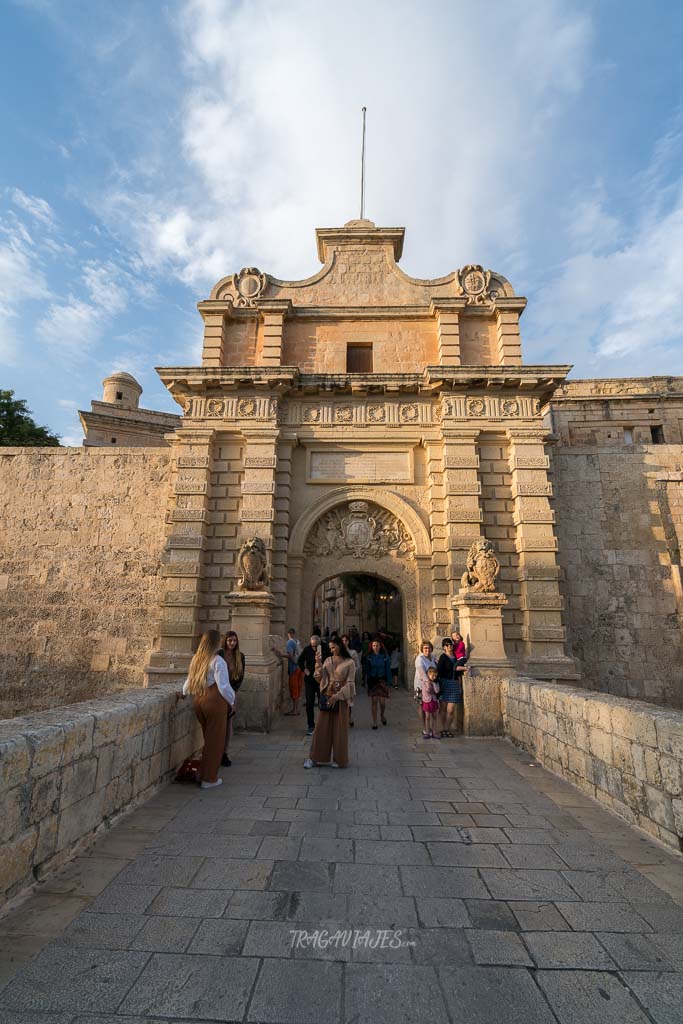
column 439, row 882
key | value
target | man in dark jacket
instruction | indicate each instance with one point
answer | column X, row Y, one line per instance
column 311, row 684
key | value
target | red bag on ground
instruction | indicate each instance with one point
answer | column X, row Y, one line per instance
column 189, row 770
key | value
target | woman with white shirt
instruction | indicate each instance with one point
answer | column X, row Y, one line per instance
column 423, row 662
column 208, row 682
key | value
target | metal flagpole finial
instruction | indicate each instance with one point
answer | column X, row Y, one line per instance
column 362, row 172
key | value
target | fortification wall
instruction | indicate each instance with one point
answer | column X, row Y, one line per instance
column 81, row 536
column 619, row 513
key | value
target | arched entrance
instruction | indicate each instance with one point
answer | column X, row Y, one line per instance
column 359, row 600
column 362, row 530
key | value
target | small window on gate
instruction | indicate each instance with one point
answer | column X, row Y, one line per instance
column 119, row 396
column 113, row 440
column 657, row 433
column 628, row 435
column 359, row 358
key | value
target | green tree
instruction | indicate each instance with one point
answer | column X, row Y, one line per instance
column 17, row 426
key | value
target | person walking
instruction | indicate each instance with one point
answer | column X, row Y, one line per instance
column 450, row 692
column 395, row 661
column 378, row 670
column 208, row 683
column 330, row 743
column 424, row 660
column 295, row 675
column 355, row 657
column 311, row 664
column 236, row 662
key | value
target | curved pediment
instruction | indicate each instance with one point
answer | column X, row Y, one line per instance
column 360, row 269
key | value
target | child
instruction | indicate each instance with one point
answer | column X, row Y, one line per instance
column 430, row 704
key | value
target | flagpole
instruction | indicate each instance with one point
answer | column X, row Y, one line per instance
column 362, row 172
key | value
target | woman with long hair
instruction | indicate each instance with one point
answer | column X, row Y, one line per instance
column 450, row 686
column 208, row 683
column 378, row 675
column 330, row 744
column 236, row 663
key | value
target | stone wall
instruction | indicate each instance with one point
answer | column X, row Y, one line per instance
column 625, row 753
column 66, row 773
column 81, row 536
column 619, row 513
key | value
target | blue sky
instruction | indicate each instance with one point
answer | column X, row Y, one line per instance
column 150, row 148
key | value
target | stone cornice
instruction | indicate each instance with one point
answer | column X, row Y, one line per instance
column 538, row 380
column 358, row 232
column 619, row 388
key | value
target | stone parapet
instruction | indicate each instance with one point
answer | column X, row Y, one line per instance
column 624, row 753
column 67, row 773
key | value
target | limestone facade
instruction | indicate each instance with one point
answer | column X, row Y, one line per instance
column 360, row 420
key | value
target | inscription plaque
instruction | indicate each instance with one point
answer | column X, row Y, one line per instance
column 359, row 466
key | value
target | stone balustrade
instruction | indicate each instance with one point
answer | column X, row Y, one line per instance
column 67, row 772
column 625, row 753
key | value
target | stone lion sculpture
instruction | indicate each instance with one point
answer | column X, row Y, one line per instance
column 252, row 561
column 482, row 567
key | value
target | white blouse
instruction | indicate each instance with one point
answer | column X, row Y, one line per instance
column 422, row 663
column 219, row 676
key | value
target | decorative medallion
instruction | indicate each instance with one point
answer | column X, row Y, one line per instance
column 311, row 414
column 215, row 407
column 510, row 407
column 476, row 407
column 474, row 283
column 246, row 407
column 376, row 414
column 361, row 529
column 249, row 285
column 343, row 414
column 409, row 413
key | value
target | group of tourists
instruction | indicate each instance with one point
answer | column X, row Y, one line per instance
column 326, row 671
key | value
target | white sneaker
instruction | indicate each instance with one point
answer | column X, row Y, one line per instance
column 333, row 764
column 309, row 764
column 211, row 785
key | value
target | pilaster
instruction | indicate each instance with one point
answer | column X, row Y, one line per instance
column 507, row 330
column 214, row 315
column 462, row 499
column 543, row 634
column 182, row 566
column 272, row 313
column 447, row 313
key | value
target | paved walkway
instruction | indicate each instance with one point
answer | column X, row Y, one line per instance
column 474, row 887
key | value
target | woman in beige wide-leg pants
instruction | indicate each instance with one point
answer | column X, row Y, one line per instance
column 330, row 744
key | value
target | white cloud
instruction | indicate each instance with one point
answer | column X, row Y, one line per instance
column 615, row 306
column 74, row 326
column 21, row 280
column 463, row 114
column 67, row 403
column 36, row 207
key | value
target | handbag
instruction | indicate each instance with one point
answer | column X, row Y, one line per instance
column 189, row 770
column 324, row 704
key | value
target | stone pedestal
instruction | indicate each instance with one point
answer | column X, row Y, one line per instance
column 480, row 619
column 482, row 709
column 260, row 693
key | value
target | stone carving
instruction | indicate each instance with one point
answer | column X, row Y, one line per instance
column 249, row 285
column 482, row 567
column 509, row 407
column 410, row 413
column 476, row 407
column 376, row 414
column 311, row 414
column 215, row 407
column 362, row 529
column 252, row 561
column 475, row 284
column 246, row 407
column 344, row 414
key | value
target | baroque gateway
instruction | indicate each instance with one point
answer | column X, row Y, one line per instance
column 362, row 420
column 359, row 422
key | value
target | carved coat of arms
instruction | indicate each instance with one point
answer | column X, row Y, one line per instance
column 482, row 567
column 362, row 530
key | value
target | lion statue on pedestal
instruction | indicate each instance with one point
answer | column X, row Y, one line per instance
column 252, row 561
column 482, row 567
